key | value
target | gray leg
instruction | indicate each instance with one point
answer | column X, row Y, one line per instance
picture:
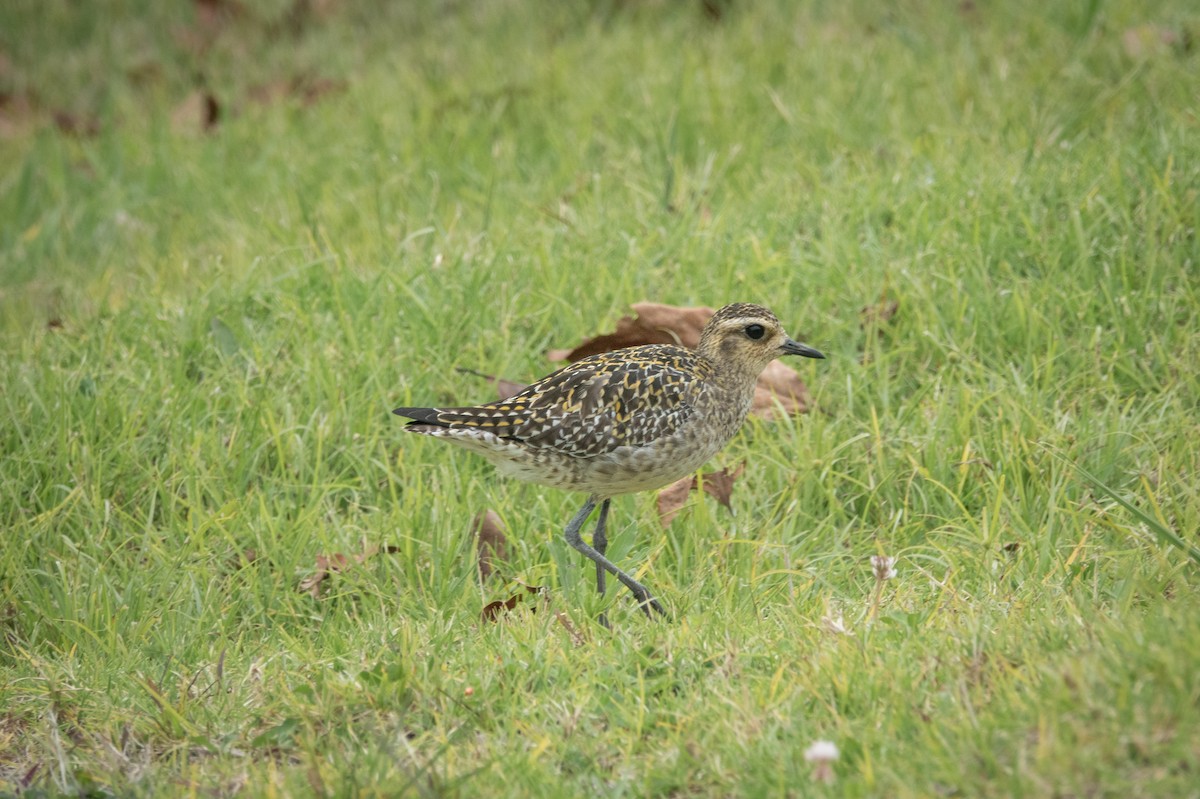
column 645, row 600
column 600, row 543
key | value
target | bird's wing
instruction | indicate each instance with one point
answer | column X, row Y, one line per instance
column 621, row 398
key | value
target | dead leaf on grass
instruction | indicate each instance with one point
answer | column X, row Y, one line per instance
column 671, row 499
column 653, row 323
column 199, row 112
column 82, row 126
column 212, row 17
column 718, row 485
column 530, row 593
column 1142, row 42
column 18, row 114
column 490, row 542
column 573, row 631
column 780, row 389
column 779, row 386
column 492, row 610
column 879, row 313
column 303, row 89
column 241, row 560
column 328, row 565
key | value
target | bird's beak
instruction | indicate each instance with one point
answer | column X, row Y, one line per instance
column 796, row 348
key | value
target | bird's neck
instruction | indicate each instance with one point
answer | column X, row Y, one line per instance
column 734, row 382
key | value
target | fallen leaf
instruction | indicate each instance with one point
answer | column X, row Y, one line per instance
column 571, row 629
column 492, row 610
column 714, row 10
column 212, row 16
column 779, row 386
column 210, row 13
column 718, row 485
column 18, row 114
column 199, row 112
column 490, row 542
column 1145, row 41
column 326, row 564
column 306, row 90
column 879, row 313
column 780, row 389
column 240, row 560
column 653, row 323
column 504, row 388
column 671, row 499
column 310, row 91
column 145, row 73
column 83, row 126
column 337, row 562
column 301, row 15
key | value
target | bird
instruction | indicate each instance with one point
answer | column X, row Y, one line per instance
column 623, row 421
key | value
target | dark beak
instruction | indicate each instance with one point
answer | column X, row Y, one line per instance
column 796, row 348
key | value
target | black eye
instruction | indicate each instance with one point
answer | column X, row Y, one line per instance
column 755, row 331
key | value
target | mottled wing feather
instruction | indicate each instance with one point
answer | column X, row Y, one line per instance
column 621, row 398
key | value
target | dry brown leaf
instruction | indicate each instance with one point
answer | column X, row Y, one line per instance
column 1146, row 41
column 215, row 13
column 199, row 112
column 490, row 542
column 780, row 389
column 241, row 560
column 653, row 323
column 779, row 386
column 504, row 388
column 879, row 313
column 671, row 499
column 573, row 631
column 314, row 89
column 306, row 90
column 212, row 16
column 325, row 566
column 492, row 610
column 83, row 126
column 718, row 485
column 18, row 114
column 337, row 562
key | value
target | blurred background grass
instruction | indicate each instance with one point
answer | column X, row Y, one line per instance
column 237, row 234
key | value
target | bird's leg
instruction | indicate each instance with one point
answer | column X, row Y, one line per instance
column 600, row 542
column 645, row 601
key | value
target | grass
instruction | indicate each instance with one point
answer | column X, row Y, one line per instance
column 202, row 333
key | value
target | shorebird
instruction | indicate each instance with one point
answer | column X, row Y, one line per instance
column 628, row 420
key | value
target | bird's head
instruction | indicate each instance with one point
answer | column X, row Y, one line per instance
column 744, row 338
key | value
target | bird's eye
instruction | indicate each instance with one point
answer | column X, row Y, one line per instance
column 755, row 331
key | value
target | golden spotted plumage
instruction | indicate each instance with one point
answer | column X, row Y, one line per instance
column 623, row 421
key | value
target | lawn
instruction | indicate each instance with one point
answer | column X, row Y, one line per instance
column 237, row 234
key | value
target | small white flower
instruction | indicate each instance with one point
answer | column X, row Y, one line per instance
column 822, row 754
column 836, row 624
column 884, row 567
